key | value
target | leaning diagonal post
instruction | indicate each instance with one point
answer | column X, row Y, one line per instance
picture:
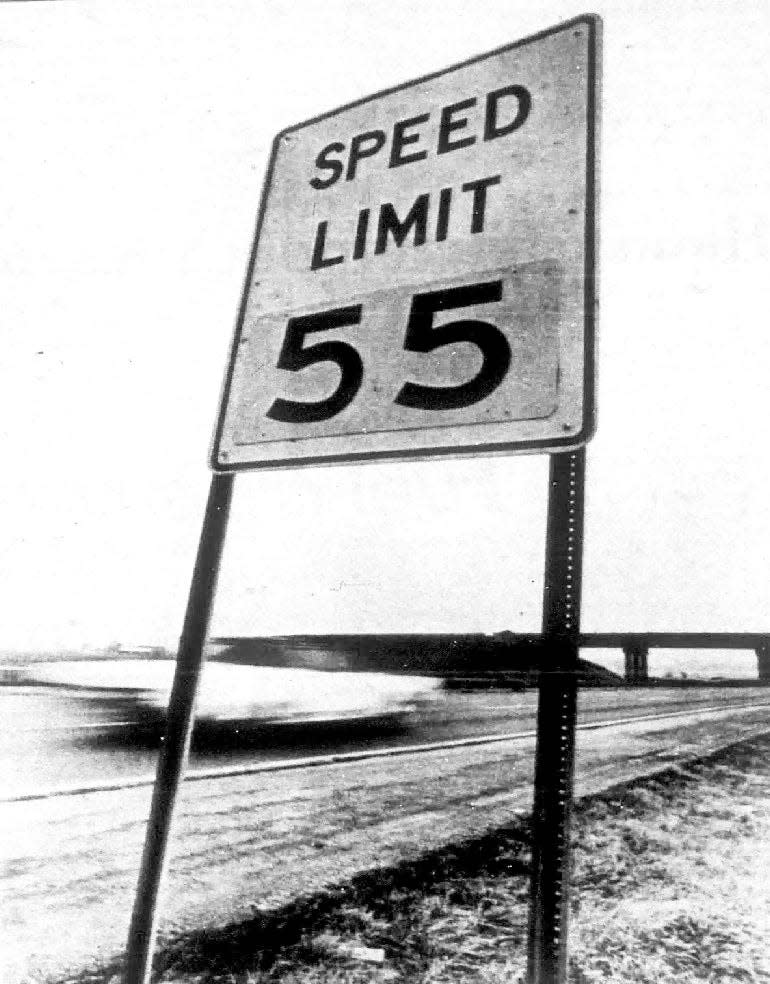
column 181, row 715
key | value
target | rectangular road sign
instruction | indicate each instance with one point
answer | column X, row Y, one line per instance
column 423, row 274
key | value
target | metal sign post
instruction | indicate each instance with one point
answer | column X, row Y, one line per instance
column 174, row 752
column 557, row 705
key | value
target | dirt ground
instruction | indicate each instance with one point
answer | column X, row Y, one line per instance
column 671, row 883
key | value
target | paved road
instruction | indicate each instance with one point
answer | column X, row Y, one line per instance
column 53, row 738
column 256, row 841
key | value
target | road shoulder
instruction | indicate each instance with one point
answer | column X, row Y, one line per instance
column 670, row 884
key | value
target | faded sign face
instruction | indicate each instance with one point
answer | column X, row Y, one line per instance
column 422, row 281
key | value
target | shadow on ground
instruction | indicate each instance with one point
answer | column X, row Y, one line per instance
column 381, row 908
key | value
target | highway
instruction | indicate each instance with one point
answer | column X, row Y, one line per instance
column 249, row 838
column 56, row 739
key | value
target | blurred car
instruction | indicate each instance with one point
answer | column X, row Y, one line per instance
column 234, row 693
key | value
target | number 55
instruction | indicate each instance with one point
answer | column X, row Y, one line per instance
column 421, row 336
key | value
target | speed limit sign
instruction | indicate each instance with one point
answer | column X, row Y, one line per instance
column 423, row 276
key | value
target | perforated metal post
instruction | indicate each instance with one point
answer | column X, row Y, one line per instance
column 180, row 719
column 557, row 707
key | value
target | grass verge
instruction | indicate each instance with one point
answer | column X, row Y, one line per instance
column 671, row 883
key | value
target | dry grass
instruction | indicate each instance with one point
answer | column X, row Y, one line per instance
column 671, row 884
column 674, row 877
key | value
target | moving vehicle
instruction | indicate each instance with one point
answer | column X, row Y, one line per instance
column 235, row 693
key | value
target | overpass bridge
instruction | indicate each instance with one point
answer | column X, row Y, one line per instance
column 636, row 647
column 459, row 653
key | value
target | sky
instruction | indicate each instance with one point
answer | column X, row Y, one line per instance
column 136, row 141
